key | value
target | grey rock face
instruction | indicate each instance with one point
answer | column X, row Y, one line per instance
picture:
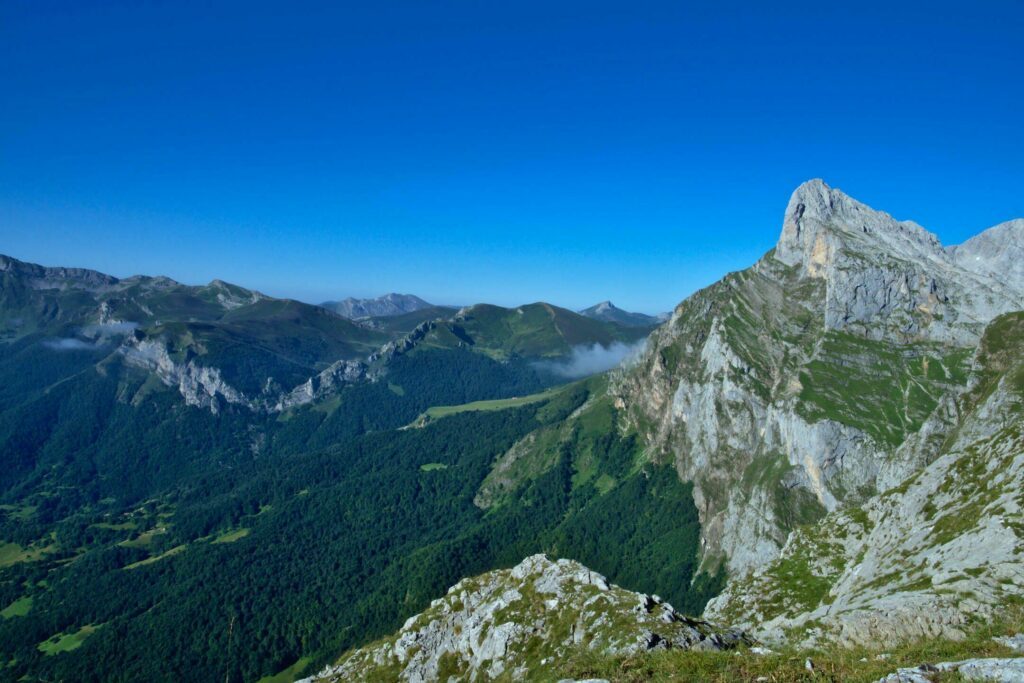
column 204, row 387
column 199, row 385
column 345, row 372
column 997, row 253
column 522, row 622
column 1014, row 642
column 325, row 383
column 820, row 221
column 880, row 270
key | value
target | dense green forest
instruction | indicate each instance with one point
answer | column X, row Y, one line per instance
column 160, row 542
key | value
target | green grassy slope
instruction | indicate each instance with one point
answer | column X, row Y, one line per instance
column 437, row 412
column 884, row 389
column 765, row 326
column 405, row 323
column 537, row 330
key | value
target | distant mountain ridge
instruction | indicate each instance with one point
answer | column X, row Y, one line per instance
column 221, row 344
column 390, row 304
column 609, row 312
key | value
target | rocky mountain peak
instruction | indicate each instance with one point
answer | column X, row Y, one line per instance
column 390, row 304
column 781, row 366
column 233, row 296
column 820, row 220
column 886, row 277
column 608, row 311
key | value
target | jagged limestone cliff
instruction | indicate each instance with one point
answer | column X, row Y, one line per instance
column 926, row 558
column 521, row 624
column 788, row 389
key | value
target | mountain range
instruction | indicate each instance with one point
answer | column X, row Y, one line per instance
column 222, row 344
column 821, row 451
column 409, row 307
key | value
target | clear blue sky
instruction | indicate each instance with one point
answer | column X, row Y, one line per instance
column 488, row 151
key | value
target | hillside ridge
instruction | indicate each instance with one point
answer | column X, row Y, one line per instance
column 522, row 623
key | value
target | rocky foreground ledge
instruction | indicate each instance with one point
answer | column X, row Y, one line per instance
column 995, row 670
column 522, row 622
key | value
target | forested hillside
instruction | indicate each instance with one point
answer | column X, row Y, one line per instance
column 306, row 550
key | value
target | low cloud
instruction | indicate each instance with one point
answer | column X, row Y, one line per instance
column 108, row 329
column 589, row 360
column 68, row 344
column 95, row 335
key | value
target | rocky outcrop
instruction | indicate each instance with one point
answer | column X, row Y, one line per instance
column 522, row 623
column 344, row 372
column 324, row 384
column 996, row 669
column 200, row 385
column 203, row 386
column 890, row 279
column 231, row 296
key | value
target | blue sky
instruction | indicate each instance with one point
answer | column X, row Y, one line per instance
column 479, row 151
